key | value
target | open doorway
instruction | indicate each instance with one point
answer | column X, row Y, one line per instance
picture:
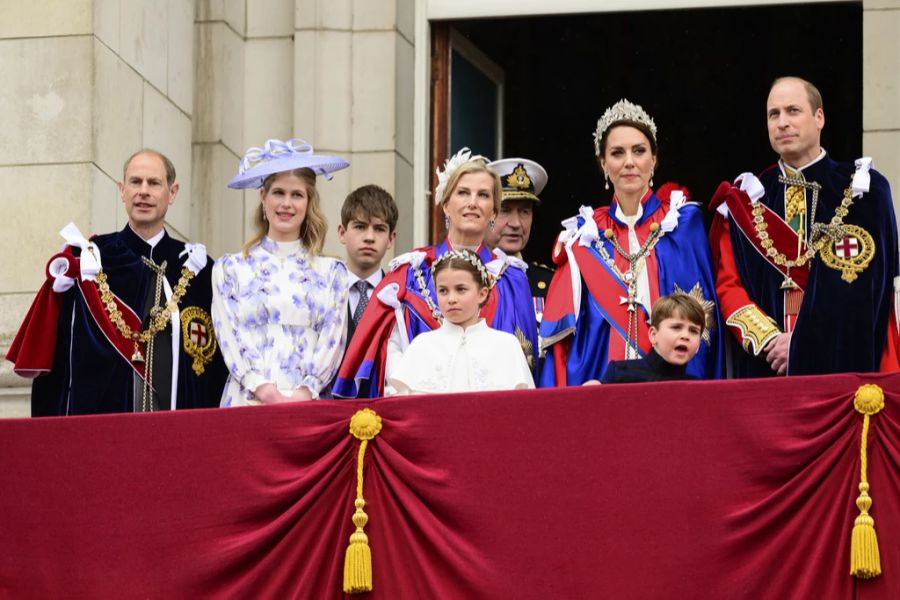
column 703, row 74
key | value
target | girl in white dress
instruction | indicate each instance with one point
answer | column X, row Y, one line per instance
column 463, row 354
column 279, row 308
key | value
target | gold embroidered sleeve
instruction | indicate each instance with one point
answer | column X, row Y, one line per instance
column 756, row 327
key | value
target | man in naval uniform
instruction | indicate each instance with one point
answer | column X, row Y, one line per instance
column 522, row 180
column 807, row 252
column 122, row 323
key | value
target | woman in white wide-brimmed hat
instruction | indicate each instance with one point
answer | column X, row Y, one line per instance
column 279, row 308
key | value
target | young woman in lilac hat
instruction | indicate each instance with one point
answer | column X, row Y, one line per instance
column 279, row 307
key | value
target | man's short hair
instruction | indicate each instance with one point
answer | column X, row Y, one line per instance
column 370, row 201
column 170, row 168
column 812, row 92
column 681, row 305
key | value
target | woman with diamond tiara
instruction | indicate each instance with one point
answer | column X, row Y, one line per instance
column 404, row 304
column 279, row 307
column 615, row 261
column 463, row 354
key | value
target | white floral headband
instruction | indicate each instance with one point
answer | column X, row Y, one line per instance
column 450, row 167
column 469, row 257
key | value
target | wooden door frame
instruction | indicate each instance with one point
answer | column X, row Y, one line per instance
column 440, row 105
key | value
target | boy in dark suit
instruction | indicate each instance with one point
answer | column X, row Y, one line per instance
column 368, row 230
column 677, row 323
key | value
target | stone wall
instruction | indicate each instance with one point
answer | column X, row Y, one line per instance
column 881, row 89
column 86, row 83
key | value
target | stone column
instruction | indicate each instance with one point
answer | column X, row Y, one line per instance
column 881, row 89
column 218, row 140
column 336, row 73
column 86, row 83
column 353, row 82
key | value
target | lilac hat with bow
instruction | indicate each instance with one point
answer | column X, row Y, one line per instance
column 277, row 156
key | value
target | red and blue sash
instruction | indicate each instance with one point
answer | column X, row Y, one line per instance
column 784, row 238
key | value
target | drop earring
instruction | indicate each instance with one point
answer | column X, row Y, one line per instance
column 491, row 224
column 446, row 222
column 606, row 179
column 651, row 179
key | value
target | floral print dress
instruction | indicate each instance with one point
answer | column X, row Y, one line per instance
column 280, row 314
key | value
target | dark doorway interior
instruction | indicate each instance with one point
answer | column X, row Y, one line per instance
column 703, row 74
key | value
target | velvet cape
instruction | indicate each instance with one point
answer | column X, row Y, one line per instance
column 841, row 326
column 584, row 342
column 87, row 373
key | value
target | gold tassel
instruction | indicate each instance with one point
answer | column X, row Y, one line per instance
column 865, row 560
column 364, row 426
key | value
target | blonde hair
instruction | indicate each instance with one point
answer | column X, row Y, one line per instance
column 314, row 226
column 474, row 166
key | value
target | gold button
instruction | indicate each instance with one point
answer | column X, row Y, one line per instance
column 542, row 284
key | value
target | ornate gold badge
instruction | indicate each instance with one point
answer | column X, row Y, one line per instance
column 198, row 337
column 519, row 178
column 851, row 254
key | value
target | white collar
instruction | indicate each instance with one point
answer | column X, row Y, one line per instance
column 457, row 331
column 374, row 279
column 629, row 220
column 286, row 248
column 153, row 241
column 782, row 164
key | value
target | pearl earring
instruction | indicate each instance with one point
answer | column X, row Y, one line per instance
column 606, row 179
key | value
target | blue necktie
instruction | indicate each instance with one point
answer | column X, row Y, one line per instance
column 362, row 286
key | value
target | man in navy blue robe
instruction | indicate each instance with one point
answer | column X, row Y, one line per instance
column 122, row 323
column 806, row 253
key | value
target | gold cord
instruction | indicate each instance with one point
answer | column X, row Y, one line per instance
column 865, row 559
column 364, row 426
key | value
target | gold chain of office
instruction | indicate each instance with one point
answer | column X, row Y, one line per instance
column 160, row 316
column 821, row 232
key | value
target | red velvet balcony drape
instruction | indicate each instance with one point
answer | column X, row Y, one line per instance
column 732, row 489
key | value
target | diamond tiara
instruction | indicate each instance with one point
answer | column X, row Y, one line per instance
column 623, row 110
column 470, row 257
